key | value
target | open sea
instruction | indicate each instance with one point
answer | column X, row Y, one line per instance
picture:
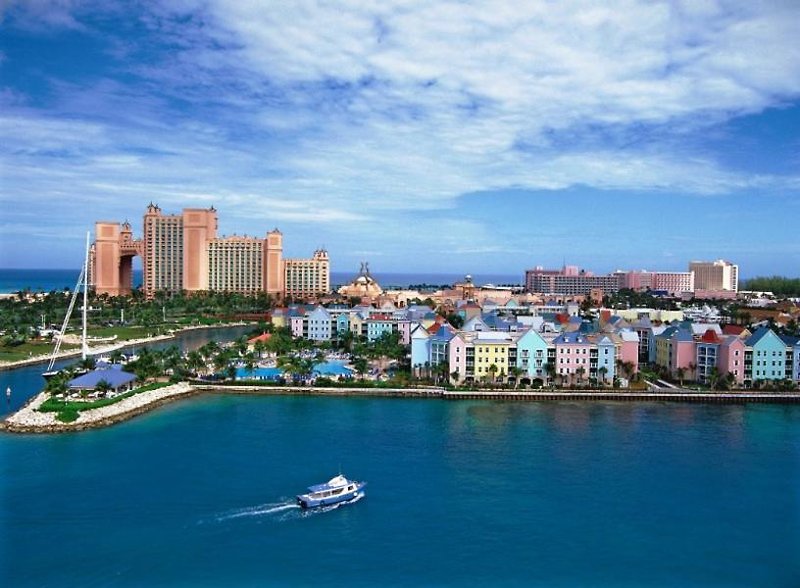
column 14, row 280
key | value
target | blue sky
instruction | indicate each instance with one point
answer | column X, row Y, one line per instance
column 421, row 136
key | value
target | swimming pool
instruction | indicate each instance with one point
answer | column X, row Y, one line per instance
column 327, row 368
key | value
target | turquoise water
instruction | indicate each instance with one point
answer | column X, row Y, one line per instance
column 460, row 493
column 328, row 368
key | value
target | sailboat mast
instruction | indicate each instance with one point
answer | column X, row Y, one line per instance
column 84, row 345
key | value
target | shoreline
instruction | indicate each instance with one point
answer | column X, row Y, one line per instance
column 37, row 359
column 29, row 420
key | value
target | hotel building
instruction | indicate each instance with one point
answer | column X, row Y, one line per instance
column 572, row 281
column 715, row 275
column 182, row 252
column 305, row 278
column 569, row 281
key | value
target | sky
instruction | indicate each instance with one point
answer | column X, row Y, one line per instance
column 429, row 136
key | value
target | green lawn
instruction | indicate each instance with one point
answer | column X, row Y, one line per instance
column 122, row 333
column 30, row 349
column 69, row 409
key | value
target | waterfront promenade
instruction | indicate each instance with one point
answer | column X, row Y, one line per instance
column 30, row 420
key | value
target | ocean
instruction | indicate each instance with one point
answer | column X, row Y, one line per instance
column 472, row 493
column 14, row 280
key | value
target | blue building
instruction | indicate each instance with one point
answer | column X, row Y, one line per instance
column 765, row 356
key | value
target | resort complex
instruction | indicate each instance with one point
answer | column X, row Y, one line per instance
column 705, row 279
column 182, row 252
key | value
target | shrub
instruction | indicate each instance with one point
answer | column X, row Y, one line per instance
column 68, row 415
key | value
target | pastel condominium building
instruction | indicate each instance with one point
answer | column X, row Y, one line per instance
column 182, row 252
column 317, row 323
column 489, row 350
column 745, row 359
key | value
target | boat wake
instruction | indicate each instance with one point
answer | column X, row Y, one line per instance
column 281, row 511
column 261, row 510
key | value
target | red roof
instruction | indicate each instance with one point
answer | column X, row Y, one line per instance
column 710, row 336
column 262, row 337
column 732, row 330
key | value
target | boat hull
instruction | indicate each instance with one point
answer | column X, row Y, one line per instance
column 310, row 501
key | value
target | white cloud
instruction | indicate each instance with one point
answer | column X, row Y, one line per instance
column 337, row 113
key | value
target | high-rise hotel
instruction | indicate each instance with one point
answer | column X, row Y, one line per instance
column 183, row 252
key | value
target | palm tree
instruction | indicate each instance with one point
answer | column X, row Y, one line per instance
column 493, row 372
column 680, row 372
column 603, row 371
column 580, row 372
column 454, row 376
column 104, row 386
column 713, row 378
column 195, row 362
column 516, row 372
column 550, row 369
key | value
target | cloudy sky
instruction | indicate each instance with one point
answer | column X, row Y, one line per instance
column 419, row 135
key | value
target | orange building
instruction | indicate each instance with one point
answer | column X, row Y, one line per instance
column 182, row 252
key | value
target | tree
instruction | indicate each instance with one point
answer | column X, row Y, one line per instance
column 581, row 371
column 195, row 362
column 493, row 372
column 516, row 372
column 455, row 320
column 361, row 365
column 104, row 387
column 550, row 370
column 713, row 378
column 680, row 372
column 454, row 376
column 603, row 371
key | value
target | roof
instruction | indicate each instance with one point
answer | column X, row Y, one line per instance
column 628, row 335
column 112, row 374
column 261, row 337
column 732, row 330
column 759, row 334
column 335, row 482
column 710, row 336
column 572, row 338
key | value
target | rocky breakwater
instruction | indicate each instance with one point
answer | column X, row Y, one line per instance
column 30, row 420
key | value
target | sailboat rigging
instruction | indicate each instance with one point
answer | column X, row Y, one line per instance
column 83, row 278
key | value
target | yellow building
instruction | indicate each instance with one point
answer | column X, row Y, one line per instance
column 491, row 348
column 307, row 278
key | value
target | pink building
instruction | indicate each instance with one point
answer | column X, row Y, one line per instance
column 573, row 353
column 629, row 348
column 731, row 357
column 457, row 355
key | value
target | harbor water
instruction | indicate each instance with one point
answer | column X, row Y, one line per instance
column 200, row 493
column 26, row 382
